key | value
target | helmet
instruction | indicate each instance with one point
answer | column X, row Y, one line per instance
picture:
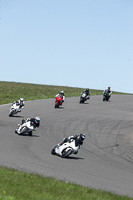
column 108, row 87
column 21, row 99
column 81, row 137
column 37, row 119
column 62, row 92
column 87, row 90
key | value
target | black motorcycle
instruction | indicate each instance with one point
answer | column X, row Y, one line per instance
column 106, row 95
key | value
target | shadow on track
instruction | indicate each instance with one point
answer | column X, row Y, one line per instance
column 74, row 158
column 24, row 134
column 18, row 116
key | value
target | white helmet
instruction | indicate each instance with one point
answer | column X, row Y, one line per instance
column 37, row 119
column 21, row 99
column 62, row 92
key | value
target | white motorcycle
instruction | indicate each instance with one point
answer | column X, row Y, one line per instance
column 83, row 97
column 26, row 127
column 66, row 149
column 14, row 109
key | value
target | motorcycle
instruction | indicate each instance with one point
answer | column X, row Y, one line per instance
column 58, row 101
column 106, row 95
column 83, row 97
column 66, row 149
column 14, row 110
column 26, row 127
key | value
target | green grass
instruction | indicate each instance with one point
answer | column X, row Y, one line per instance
column 11, row 91
column 17, row 185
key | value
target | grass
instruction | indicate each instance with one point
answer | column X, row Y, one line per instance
column 11, row 91
column 16, row 185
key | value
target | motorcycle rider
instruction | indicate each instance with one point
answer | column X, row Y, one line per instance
column 109, row 90
column 35, row 122
column 19, row 103
column 79, row 139
column 87, row 91
column 61, row 94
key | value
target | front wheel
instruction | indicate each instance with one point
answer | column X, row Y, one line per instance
column 81, row 101
column 53, row 151
column 30, row 133
column 66, row 153
column 56, row 105
column 104, row 98
column 23, row 130
column 11, row 113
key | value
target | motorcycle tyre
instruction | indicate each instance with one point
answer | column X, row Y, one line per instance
column 56, row 105
column 81, row 101
column 66, row 154
column 24, row 129
column 30, row 133
column 53, row 151
column 11, row 113
column 104, row 98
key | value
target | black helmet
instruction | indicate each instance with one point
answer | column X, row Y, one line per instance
column 108, row 87
column 82, row 136
column 87, row 90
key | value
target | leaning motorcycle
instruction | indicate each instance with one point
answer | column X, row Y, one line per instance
column 66, row 149
column 26, row 127
column 83, row 97
column 106, row 95
column 58, row 101
column 13, row 110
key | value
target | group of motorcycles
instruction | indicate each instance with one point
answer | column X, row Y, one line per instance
column 84, row 97
column 65, row 149
column 26, row 126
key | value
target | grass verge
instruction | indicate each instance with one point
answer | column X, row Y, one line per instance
column 16, row 185
column 11, row 91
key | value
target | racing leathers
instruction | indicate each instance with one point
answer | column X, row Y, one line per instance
column 32, row 122
column 70, row 138
column 109, row 91
column 20, row 104
column 87, row 94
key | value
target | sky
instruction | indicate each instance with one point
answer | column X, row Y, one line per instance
column 76, row 43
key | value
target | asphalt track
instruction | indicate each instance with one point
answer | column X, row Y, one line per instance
column 105, row 161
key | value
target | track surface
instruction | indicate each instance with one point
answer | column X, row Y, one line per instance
column 105, row 161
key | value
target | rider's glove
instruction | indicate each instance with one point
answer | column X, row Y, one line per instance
column 28, row 119
column 35, row 128
column 65, row 140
